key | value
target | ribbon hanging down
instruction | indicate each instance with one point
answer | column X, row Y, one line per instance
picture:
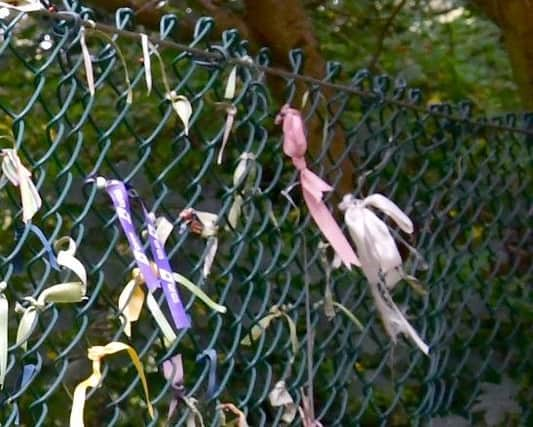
column 313, row 187
column 96, row 354
column 380, row 259
column 173, row 373
column 20, row 176
column 204, row 224
column 130, row 304
column 120, row 198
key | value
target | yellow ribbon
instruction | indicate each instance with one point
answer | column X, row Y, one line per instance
column 96, row 354
column 258, row 329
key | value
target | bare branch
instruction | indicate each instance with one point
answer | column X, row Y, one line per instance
column 383, row 34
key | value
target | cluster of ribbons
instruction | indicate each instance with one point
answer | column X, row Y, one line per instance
column 120, row 197
column 378, row 255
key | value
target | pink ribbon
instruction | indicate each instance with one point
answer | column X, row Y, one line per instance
column 295, row 146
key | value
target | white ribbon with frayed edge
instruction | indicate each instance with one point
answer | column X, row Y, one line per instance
column 96, row 354
column 19, row 176
column 205, row 225
column 4, row 308
column 380, row 259
column 68, row 292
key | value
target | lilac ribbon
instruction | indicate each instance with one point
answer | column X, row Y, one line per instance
column 173, row 372
column 180, row 317
column 119, row 195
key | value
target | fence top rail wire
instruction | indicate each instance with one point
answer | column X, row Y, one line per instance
column 276, row 71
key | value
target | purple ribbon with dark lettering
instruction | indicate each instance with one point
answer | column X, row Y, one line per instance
column 170, row 290
column 120, row 197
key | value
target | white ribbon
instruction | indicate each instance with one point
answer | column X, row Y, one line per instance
column 20, row 176
column 380, row 259
column 204, row 224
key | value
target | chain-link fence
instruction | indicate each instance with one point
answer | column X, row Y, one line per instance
column 465, row 182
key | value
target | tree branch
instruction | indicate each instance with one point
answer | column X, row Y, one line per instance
column 383, row 34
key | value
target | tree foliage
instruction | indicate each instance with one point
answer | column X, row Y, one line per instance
column 448, row 48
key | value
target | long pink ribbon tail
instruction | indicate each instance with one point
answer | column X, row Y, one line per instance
column 313, row 187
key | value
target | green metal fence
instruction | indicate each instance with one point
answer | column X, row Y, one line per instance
column 465, row 182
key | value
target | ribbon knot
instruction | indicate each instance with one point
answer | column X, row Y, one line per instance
column 299, row 163
column 313, row 187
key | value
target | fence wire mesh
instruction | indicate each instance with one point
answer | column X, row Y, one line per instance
column 465, row 182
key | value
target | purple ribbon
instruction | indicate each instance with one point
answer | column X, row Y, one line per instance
column 181, row 320
column 120, row 197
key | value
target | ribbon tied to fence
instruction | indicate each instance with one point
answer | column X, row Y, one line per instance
column 313, row 187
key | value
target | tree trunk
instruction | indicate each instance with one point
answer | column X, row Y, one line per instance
column 515, row 19
column 282, row 25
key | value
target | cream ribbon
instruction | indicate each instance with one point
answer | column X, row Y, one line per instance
column 380, row 259
column 204, row 224
column 67, row 292
column 20, row 176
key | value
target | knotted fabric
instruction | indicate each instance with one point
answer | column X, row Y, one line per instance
column 313, row 187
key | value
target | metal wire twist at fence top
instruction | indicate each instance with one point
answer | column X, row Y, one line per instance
column 465, row 183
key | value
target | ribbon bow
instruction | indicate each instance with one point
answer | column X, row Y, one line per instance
column 380, row 259
column 313, row 187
